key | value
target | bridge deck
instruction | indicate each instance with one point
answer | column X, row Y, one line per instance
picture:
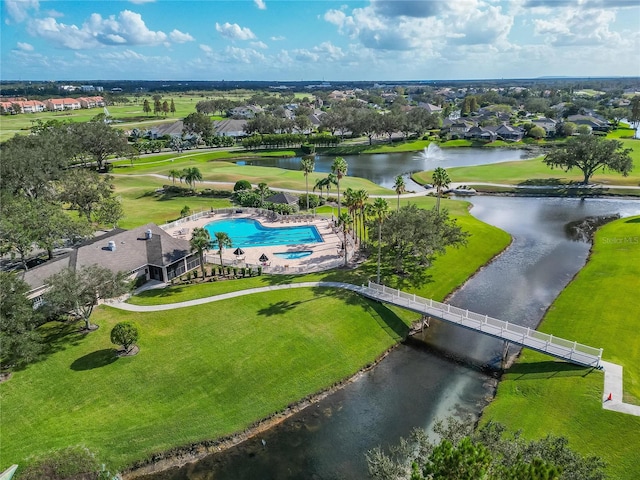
column 526, row 337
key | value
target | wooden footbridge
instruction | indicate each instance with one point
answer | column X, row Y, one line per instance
column 525, row 337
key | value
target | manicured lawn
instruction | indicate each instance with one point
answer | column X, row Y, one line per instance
column 142, row 205
column 202, row 373
column 535, row 172
column 598, row 308
column 221, row 171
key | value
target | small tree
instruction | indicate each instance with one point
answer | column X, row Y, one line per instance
column 125, row 334
column 185, row 212
column 242, row 185
column 78, row 291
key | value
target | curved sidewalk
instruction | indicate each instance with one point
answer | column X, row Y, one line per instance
column 613, row 386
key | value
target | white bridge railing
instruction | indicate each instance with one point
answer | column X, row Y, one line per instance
column 558, row 347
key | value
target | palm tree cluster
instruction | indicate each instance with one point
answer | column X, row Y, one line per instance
column 190, row 175
column 441, row 180
column 355, row 201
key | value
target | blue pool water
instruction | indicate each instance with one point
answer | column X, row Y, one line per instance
column 245, row 232
column 293, row 255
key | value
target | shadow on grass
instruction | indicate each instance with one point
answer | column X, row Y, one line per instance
column 97, row 359
column 161, row 292
column 387, row 319
column 60, row 335
column 543, row 182
column 633, row 220
column 547, row 369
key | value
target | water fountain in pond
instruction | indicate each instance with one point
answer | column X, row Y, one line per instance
column 431, row 153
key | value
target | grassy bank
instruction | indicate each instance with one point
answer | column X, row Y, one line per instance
column 540, row 396
column 535, row 172
column 227, row 364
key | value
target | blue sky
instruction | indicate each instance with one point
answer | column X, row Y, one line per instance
column 318, row 39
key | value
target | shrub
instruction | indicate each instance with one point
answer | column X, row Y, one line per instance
column 125, row 334
column 185, row 212
column 242, row 185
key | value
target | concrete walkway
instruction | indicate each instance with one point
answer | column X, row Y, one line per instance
column 613, row 386
column 612, row 372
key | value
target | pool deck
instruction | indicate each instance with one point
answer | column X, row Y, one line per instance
column 325, row 255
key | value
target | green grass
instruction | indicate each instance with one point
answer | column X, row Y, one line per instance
column 540, row 396
column 142, row 205
column 223, row 366
column 221, row 171
column 535, row 172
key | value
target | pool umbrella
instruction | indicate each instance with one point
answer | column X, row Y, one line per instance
column 238, row 252
column 264, row 258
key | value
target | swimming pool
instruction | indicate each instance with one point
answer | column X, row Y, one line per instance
column 293, row 255
column 246, row 232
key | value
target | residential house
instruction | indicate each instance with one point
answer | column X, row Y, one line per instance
column 28, row 106
column 430, row 108
column 548, row 124
column 508, row 132
column 230, row 128
column 246, row 111
column 146, row 252
column 455, row 129
column 593, row 122
column 480, row 133
column 91, row 102
column 60, row 104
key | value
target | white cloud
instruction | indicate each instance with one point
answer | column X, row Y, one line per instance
column 413, row 26
column 128, row 28
column 325, row 52
column 259, row 44
column 260, row 4
column 579, row 27
column 179, row 37
column 242, row 55
column 235, row 31
column 140, row 2
column 205, row 48
column 279, row 38
column 18, row 10
column 25, row 47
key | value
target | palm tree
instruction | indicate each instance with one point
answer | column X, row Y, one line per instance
column 222, row 240
column 350, row 202
column 345, row 222
column 339, row 169
column 191, row 176
column 361, row 202
column 263, row 189
column 307, row 165
column 200, row 241
column 320, row 183
column 440, row 180
column 380, row 210
column 400, row 187
column 173, row 174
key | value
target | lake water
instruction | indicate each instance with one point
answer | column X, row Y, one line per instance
column 382, row 168
column 423, row 380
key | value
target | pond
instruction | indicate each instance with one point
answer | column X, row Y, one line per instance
column 382, row 168
column 435, row 376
